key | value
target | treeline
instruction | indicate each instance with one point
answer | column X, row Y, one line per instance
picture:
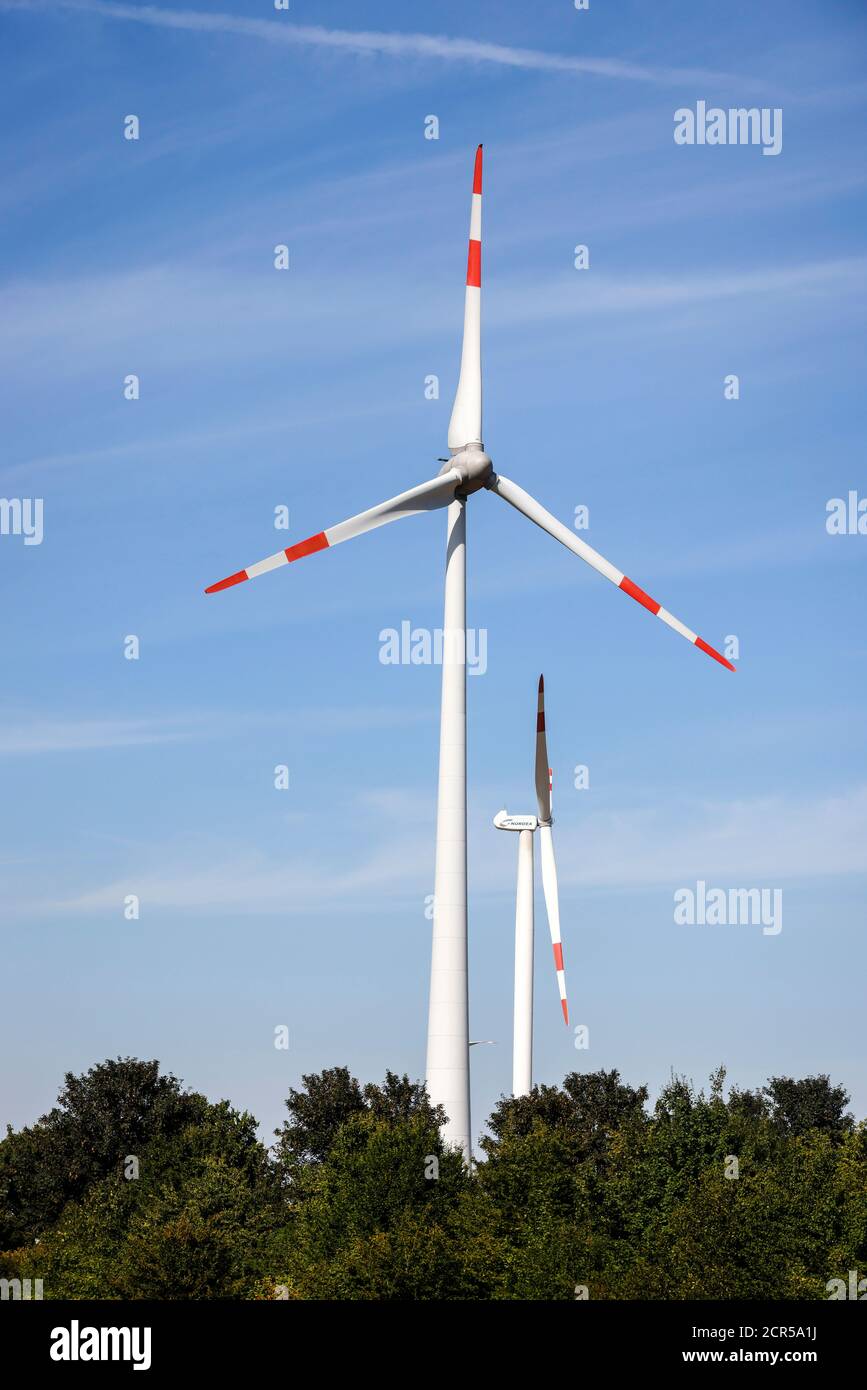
column 132, row 1187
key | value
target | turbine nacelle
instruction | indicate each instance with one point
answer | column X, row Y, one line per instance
column 474, row 466
column 503, row 821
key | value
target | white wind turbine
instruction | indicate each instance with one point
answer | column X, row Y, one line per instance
column 526, row 827
column 467, row 471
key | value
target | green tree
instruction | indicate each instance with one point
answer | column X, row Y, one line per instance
column 374, row 1215
column 194, row 1224
column 114, row 1109
column 588, row 1107
column 754, row 1195
column 317, row 1113
column 331, row 1098
column 812, row 1103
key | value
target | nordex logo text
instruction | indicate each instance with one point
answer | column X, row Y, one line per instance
column 737, row 907
column 419, row 646
column 76, row 1343
column 739, row 125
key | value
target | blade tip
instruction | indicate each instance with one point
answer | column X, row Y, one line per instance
column 477, row 171
column 227, row 582
column 717, row 656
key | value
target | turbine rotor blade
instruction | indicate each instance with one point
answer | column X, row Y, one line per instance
column 552, row 908
column 529, row 507
column 465, row 425
column 427, row 497
column 543, row 772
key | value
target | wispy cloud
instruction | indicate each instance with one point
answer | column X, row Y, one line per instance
column 47, row 735
column 752, row 842
column 564, row 297
column 169, row 447
column 713, row 196
column 86, row 735
column 427, row 46
column 185, row 314
column 249, row 883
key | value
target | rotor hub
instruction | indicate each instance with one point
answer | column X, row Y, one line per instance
column 474, row 466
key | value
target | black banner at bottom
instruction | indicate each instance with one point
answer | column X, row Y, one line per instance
column 67, row 1338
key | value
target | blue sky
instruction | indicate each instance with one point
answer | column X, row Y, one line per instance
column 603, row 388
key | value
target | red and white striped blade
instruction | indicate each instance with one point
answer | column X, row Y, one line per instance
column 465, row 426
column 543, row 772
column 529, row 507
column 552, row 907
column 427, row 497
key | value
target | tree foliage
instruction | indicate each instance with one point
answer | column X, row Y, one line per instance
column 113, row 1110
column 580, row 1189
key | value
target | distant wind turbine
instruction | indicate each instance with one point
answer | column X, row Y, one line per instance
column 526, row 827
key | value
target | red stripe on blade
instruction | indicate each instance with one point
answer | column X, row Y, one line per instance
column 308, row 547
column 474, row 264
column 639, row 595
column 540, row 722
column 227, row 583
column 565, row 1007
column 558, row 956
column 477, row 172
column 705, row 647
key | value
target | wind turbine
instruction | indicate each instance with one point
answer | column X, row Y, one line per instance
column 526, row 827
column 467, row 471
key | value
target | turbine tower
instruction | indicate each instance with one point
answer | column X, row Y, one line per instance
column 467, row 471
column 526, row 827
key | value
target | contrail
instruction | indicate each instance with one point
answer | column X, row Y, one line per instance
column 435, row 46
